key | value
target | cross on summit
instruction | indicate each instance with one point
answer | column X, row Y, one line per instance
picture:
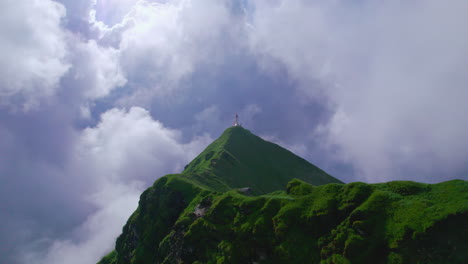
column 236, row 122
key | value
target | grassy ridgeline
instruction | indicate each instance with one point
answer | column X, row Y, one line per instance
column 395, row 222
column 239, row 159
column 200, row 216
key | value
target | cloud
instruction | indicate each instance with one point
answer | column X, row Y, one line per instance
column 34, row 149
column 248, row 114
column 298, row 149
column 208, row 117
column 113, row 163
column 362, row 94
column 32, row 52
column 395, row 85
column 131, row 145
column 77, row 15
column 113, row 12
column 92, row 239
column 96, row 70
column 38, row 52
column 179, row 36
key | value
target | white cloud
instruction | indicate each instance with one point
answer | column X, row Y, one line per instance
column 32, row 51
column 125, row 152
column 96, row 69
column 296, row 33
column 131, row 145
column 161, row 44
column 394, row 73
column 112, row 12
column 36, row 52
column 96, row 236
column 209, row 113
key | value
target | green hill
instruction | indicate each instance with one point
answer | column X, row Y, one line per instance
column 240, row 159
column 200, row 215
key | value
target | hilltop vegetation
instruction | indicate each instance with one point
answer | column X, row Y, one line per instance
column 239, row 159
column 201, row 215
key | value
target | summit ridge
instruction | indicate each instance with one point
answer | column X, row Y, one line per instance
column 247, row 200
column 242, row 159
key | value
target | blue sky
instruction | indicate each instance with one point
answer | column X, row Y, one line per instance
column 99, row 98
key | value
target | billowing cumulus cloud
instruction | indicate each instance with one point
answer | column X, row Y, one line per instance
column 112, row 164
column 38, row 52
column 174, row 34
column 96, row 69
column 396, row 85
column 33, row 50
column 131, row 145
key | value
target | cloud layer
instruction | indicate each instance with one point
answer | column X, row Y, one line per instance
column 394, row 75
column 99, row 98
column 111, row 165
column 32, row 60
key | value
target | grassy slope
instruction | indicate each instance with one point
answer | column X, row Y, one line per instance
column 241, row 159
column 395, row 222
column 199, row 216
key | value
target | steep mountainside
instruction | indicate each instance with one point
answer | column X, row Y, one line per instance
column 241, row 159
column 200, row 216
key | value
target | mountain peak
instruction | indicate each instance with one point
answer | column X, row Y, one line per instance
column 235, row 134
column 239, row 158
column 194, row 217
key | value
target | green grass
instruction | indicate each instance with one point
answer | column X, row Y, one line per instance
column 199, row 216
column 110, row 258
column 395, row 222
column 239, row 159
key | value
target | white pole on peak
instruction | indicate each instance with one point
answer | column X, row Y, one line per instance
column 236, row 122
